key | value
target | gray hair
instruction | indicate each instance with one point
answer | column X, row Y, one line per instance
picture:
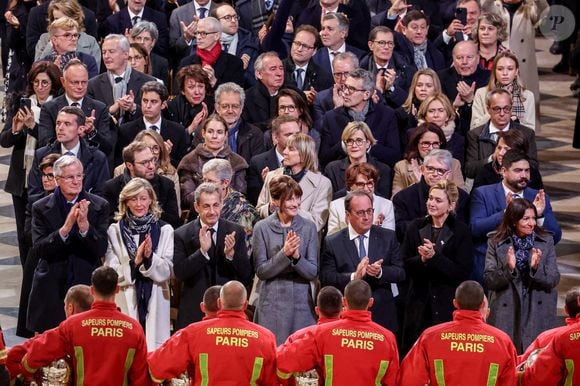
column 347, row 55
column 121, row 39
column 366, row 76
column 441, row 155
column 342, row 20
column 63, row 162
column 214, row 23
column 145, row 26
column 221, row 167
column 206, row 188
column 230, row 87
column 259, row 63
column 496, row 91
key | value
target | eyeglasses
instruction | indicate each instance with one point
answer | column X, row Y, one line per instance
column 155, row 148
column 77, row 83
column 362, row 213
column 68, row 36
column 42, row 83
column 427, row 144
column 432, row 170
column 136, row 57
column 351, row 89
column 498, row 109
column 146, row 162
column 287, row 108
column 301, row 45
column 203, row 34
column 340, row 75
column 230, row 18
column 76, row 177
column 384, row 43
column 359, row 142
column 362, row 185
column 226, row 106
column 48, row 176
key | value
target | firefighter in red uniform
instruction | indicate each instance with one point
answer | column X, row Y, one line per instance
column 463, row 351
column 558, row 362
column 107, row 346
column 209, row 304
column 571, row 308
column 352, row 350
column 78, row 299
column 328, row 307
column 226, row 350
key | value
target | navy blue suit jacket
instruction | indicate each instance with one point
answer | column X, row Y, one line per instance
column 340, row 259
column 323, row 60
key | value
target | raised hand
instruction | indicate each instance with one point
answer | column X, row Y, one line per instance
column 510, row 259
column 70, row 220
column 292, row 245
column 536, row 257
column 426, row 250
column 229, row 245
column 82, row 215
column 540, row 202
column 204, row 239
column 374, row 269
column 361, row 268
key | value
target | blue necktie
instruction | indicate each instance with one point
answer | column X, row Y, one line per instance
column 299, row 81
column 202, row 12
column 361, row 246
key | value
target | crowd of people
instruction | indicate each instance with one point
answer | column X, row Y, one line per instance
column 381, row 154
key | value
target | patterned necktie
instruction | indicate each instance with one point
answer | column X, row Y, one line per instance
column 202, row 11
column 135, row 20
column 361, row 246
column 299, row 81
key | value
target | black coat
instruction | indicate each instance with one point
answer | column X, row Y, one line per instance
column 198, row 273
column 315, row 76
column 164, row 190
column 160, row 68
column 181, row 111
column 432, row 284
column 169, row 131
column 267, row 159
column 340, row 258
column 322, row 58
column 95, row 166
column 103, row 138
column 62, row 264
column 336, row 173
column 411, row 203
column 227, row 68
column 259, row 106
column 16, row 172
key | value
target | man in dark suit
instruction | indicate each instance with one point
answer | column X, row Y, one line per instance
column 282, row 127
column 488, row 205
column 147, row 34
column 140, row 162
column 393, row 72
column 134, row 12
column 358, row 106
column 333, row 33
column 220, row 66
column 69, row 231
column 368, row 252
column 183, row 23
column 154, row 99
column 397, row 9
column 75, row 79
column 460, row 81
column 38, row 24
column 120, row 87
column 482, row 140
column 244, row 138
column 238, row 41
column 299, row 70
column 331, row 98
column 70, row 127
column 208, row 251
column 411, row 203
column 269, row 72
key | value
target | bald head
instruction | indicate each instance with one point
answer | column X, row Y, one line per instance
column 233, row 296
column 465, row 57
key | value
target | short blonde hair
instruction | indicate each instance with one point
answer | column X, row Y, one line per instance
column 64, row 23
column 132, row 189
column 306, row 149
column 449, row 188
column 422, row 113
column 353, row 127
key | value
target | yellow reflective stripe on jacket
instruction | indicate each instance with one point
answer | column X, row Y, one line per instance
column 328, row 366
column 282, row 374
column 26, row 366
column 257, row 370
column 156, row 380
column 128, row 363
column 439, row 372
column 203, row 369
column 80, row 371
column 570, row 371
column 492, row 374
column 383, row 367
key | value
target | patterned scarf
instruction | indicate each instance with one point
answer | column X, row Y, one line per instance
column 142, row 226
column 419, row 55
column 522, row 248
column 517, row 99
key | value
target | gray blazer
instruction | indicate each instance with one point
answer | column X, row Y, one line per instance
column 505, row 297
column 286, row 302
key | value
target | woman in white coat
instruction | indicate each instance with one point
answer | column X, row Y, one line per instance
column 363, row 176
column 141, row 251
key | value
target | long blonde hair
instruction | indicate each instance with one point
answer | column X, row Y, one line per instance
column 436, row 85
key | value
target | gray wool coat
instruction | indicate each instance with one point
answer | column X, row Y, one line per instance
column 505, row 297
column 286, row 302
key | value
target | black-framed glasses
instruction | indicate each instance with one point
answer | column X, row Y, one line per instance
column 287, row 108
column 230, row 17
column 362, row 213
column 301, row 45
column 351, row 89
column 203, row 34
column 48, row 176
column 498, row 109
column 427, row 144
column 432, row 170
column 361, row 185
column 351, row 142
column 384, row 43
column 147, row 161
